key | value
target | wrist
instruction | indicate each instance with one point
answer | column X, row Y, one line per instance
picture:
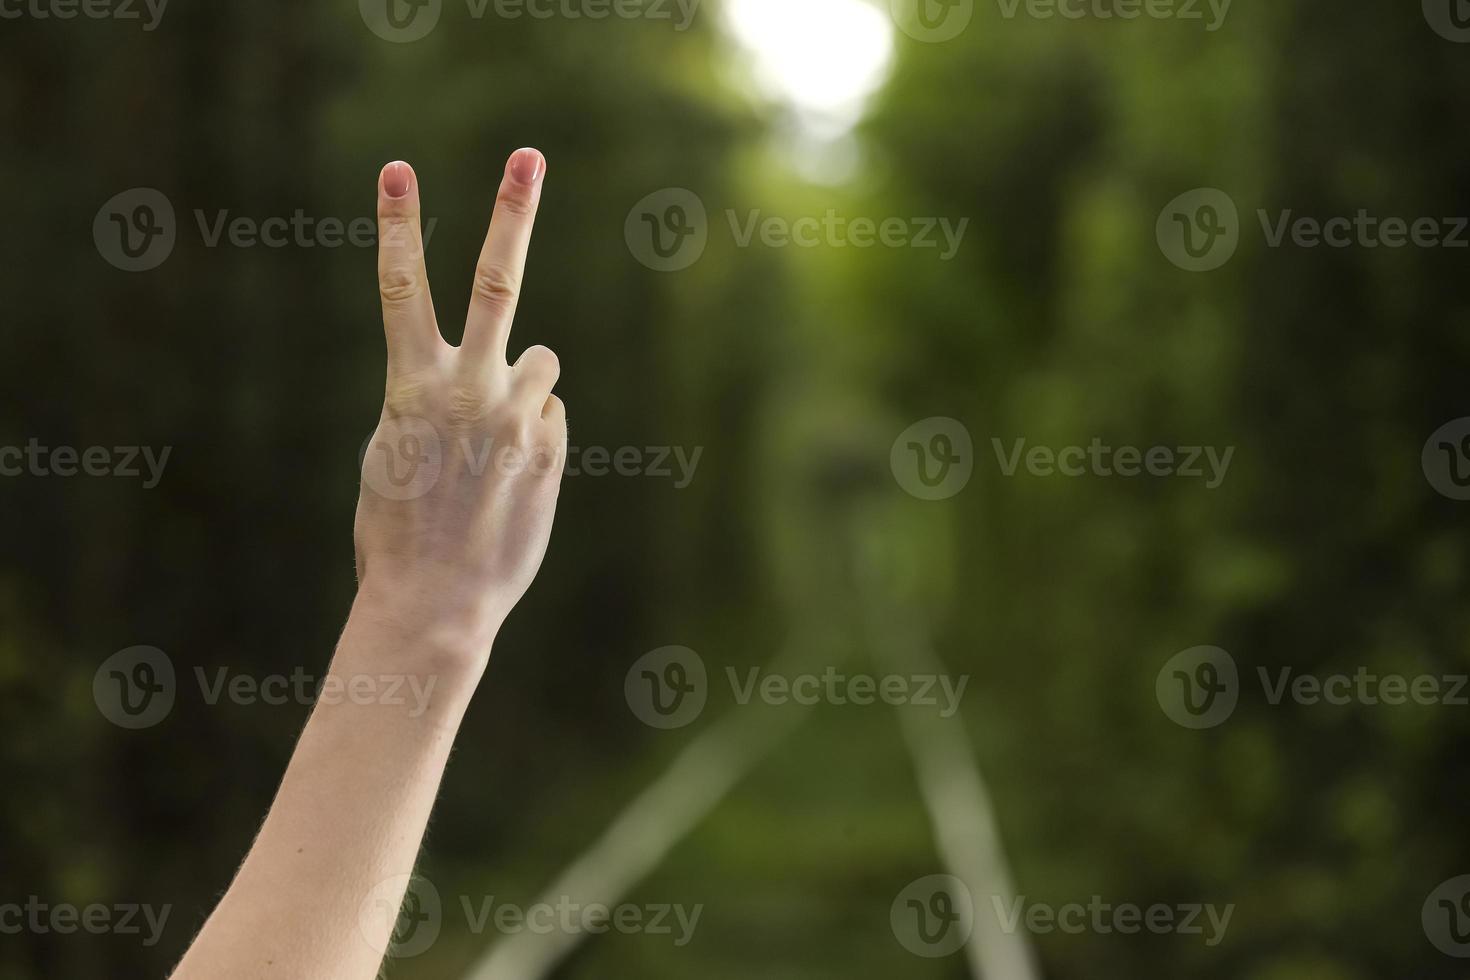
column 460, row 625
column 390, row 631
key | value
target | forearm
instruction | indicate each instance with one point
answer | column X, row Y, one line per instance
column 446, row 545
column 351, row 811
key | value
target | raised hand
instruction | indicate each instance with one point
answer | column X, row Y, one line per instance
column 459, row 486
column 460, row 480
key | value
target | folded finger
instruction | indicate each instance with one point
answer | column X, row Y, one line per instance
column 535, row 374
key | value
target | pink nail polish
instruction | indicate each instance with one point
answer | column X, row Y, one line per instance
column 396, row 178
column 527, row 165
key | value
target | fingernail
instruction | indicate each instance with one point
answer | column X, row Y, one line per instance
column 527, row 165
column 396, row 178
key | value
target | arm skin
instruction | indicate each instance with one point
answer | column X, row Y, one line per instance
column 443, row 555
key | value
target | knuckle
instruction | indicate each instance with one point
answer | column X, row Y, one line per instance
column 547, row 456
column 495, row 285
column 406, row 394
column 513, row 204
column 396, row 230
column 398, row 286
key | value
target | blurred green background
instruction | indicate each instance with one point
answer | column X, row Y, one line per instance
column 1058, row 320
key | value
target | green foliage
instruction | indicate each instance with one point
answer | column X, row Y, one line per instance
column 1058, row 321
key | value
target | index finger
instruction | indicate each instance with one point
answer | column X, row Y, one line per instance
column 403, row 282
column 502, row 261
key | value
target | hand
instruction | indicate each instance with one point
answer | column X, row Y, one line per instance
column 459, row 487
column 460, row 479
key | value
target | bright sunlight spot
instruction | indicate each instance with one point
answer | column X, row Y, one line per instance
column 823, row 57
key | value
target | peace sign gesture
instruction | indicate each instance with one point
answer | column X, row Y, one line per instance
column 461, row 478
